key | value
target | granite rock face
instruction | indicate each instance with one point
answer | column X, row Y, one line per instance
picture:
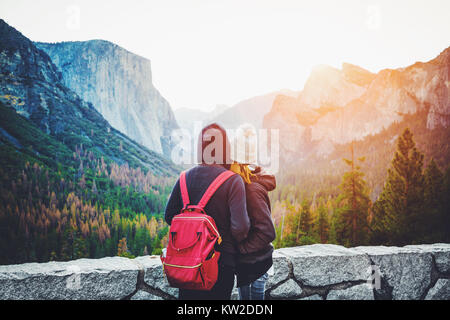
column 144, row 295
column 440, row 253
column 314, row 272
column 154, row 276
column 32, row 85
column 337, row 106
column 313, row 297
column 287, row 289
column 280, row 270
column 119, row 85
column 358, row 292
column 316, row 265
column 406, row 270
column 85, row 279
column 440, row 291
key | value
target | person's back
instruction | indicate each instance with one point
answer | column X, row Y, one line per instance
column 257, row 247
column 227, row 206
column 228, row 209
column 256, row 250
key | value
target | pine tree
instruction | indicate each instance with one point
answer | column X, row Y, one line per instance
column 290, row 225
column 80, row 249
column 306, row 220
column 397, row 210
column 432, row 217
column 332, row 238
column 352, row 224
column 156, row 245
column 68, row 243
column 446, row 206
column 434, row 180
column 299, row 226
column 323, row 225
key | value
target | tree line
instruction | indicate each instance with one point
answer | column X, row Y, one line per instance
column 94, row 208
column 413, row 206
column 90, row 210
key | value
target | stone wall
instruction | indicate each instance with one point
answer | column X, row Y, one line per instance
column 314, row 272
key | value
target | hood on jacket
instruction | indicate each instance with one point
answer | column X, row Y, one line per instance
column 264, row 178
column 215, row 138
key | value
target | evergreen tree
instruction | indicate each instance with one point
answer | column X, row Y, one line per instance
column 332, row 238
column 306, row 220
column 156, row 245
column 396, row 213
column 434, row 180
column 58, row 218
column 290, row 225
column 323, row 225
column 352, row 223
column 431, row 221
column 80, row 249
column 446, row 206
column 68, row 243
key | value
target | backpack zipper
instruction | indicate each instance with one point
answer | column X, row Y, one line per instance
column 186, row 267
column 204, row 218
column 178, row 266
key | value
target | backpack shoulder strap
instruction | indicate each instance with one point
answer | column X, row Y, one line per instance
column 221, row 178
column 184, row 190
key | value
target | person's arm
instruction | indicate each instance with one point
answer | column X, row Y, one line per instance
column 240, row 222
column 262, row 232
column 175, row 203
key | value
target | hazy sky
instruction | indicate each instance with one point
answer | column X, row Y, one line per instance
column 207, row 52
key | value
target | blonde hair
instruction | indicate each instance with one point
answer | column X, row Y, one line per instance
column 243, row 170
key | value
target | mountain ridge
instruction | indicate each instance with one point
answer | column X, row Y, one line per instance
column 379, row 101
column 119, row 85
column 32, row 85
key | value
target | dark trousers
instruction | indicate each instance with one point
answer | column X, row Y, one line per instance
column 221, row 290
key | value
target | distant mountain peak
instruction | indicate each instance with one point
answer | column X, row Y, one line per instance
column 322, row 73
column 357, row 75
column 327, row 85
column 18, row 48
column 353, row 103
column 443, row 57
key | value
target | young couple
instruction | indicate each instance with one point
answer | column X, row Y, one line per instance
column 241, row 210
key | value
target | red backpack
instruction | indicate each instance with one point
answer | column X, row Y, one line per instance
column 191, row 261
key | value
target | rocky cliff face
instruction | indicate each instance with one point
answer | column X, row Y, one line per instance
column 337, row 106
column 119, row 85
column 26, row 77
column 314, row 272
column 32, row 85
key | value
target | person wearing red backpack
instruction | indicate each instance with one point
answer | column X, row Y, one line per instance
column 211, row 193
